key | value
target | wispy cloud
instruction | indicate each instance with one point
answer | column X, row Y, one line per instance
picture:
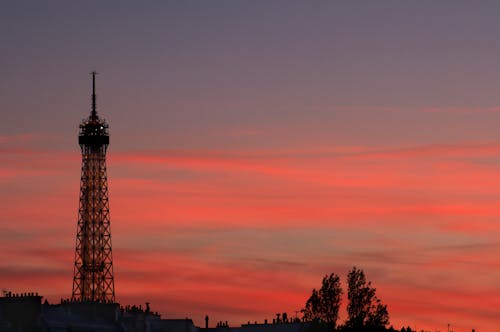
column 422, row 109
column 421, row 220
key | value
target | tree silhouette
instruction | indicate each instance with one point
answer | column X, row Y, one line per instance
column 364, row 309
column 322, row 307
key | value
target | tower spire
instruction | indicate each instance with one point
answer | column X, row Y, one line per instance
column 93, row 115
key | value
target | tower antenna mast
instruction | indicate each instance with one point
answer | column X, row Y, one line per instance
column 94, row 106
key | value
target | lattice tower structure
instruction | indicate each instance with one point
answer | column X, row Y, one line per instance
column 93, row 279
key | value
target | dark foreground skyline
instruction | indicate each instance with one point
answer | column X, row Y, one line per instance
column 257, row 146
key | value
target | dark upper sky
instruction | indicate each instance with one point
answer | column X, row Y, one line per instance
column 190, row 66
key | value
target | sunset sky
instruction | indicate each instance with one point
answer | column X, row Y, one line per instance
column 256, row 146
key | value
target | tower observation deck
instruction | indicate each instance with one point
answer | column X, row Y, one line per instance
column 93, row 278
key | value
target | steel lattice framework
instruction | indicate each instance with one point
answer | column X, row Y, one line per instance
column 93, row 271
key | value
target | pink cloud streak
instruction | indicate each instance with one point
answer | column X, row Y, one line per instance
column 400, row 200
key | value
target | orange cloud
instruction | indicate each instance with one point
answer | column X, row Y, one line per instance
column 257, row 230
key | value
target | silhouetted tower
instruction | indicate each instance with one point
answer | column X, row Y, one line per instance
column 93, row 272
